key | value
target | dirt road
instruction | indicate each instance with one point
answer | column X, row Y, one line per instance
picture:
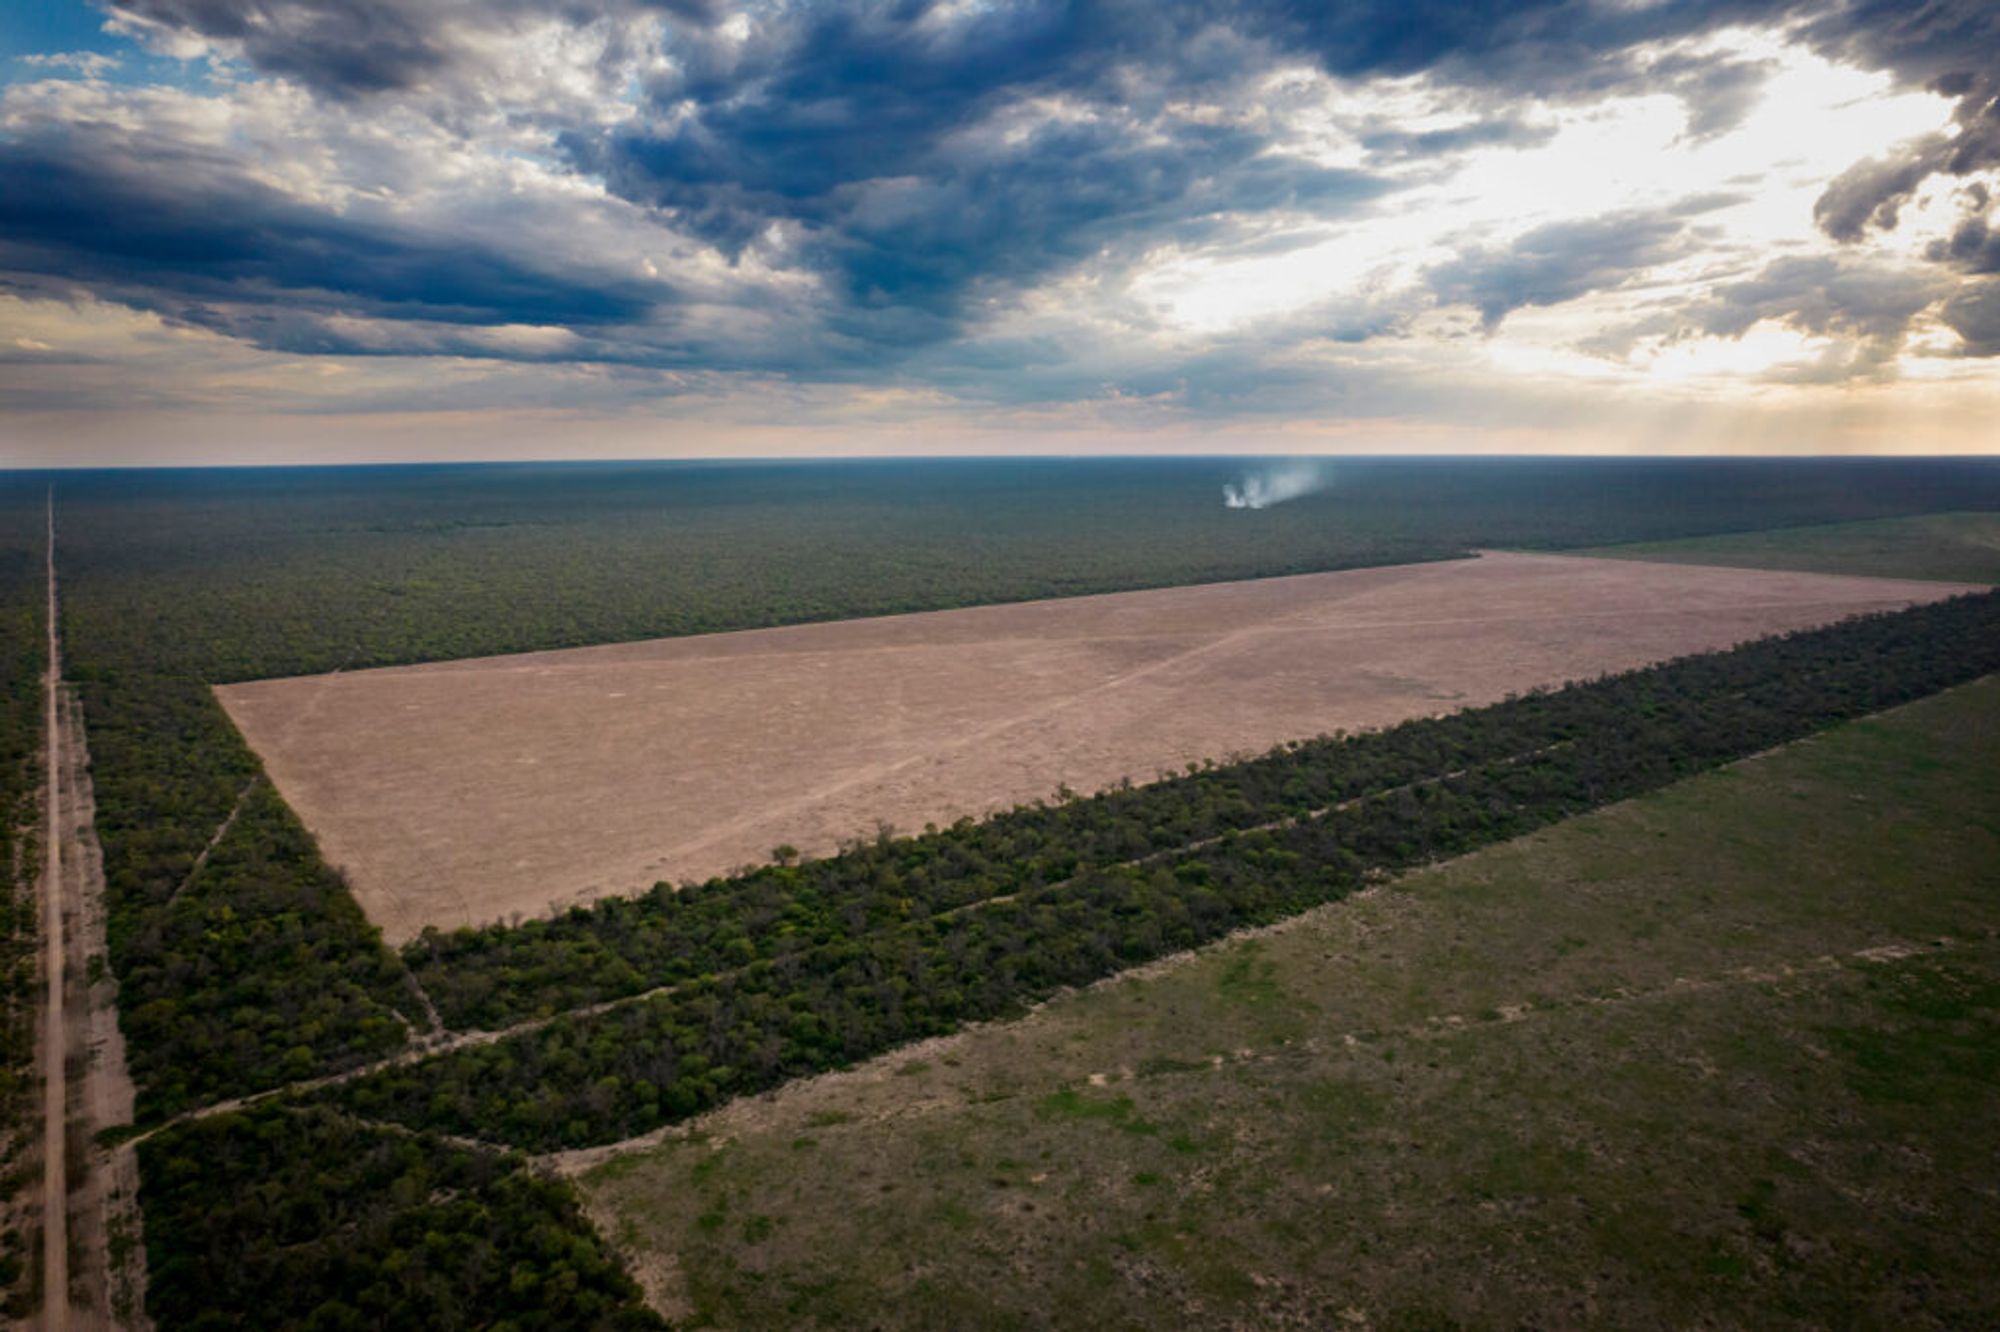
column 93, row 1264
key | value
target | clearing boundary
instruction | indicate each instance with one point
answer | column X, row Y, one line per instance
column 466, row 792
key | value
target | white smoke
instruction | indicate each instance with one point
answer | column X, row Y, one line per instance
column 1275, row 485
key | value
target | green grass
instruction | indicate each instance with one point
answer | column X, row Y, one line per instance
column 1728, row 1054
column 1949, row 547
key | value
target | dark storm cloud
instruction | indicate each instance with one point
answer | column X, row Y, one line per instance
column 924, row 164
column 1974, row 244
column 195, row 240
column 950, row 220
column 1557, row 263
column 362, row 46
column 352, row 47
column 1974, row 314
column 871, row 128
column 332, row 45
column 1951, row 47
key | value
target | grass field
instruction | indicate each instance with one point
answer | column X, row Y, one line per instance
column 462, row 793
column 1953, row 547
column 1729, row 1054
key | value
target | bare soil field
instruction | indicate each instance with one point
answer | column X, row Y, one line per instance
column 469, row 791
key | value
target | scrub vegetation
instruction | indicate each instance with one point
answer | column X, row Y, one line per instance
column 1950, row 547
column 1727, row 1054
column 22, row 660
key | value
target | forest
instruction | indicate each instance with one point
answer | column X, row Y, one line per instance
column 22, row 661
column 299, row 1217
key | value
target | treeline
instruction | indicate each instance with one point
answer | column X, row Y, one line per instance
column 289, row 1217
column 232, row 575
column 23, row 657
column 244, row 964
column 831, row 988
column 492, row 976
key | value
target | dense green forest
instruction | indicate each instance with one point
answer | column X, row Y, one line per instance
column 809, row 968
column 299, row 1217
column 230, row 575
column 22, row 660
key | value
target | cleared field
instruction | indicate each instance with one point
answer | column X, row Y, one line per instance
column 1964, row 547
column 470, row 791
column 1727, row 1055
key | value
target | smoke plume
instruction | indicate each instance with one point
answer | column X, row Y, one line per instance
column 1275, row 485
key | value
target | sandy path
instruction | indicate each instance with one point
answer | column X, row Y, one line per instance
column 470, row 791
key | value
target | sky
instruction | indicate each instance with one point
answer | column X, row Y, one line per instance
column 243, row 231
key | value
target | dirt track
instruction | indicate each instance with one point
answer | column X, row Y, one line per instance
column 471, row 791
column 89, row 1193
column 107, row 1263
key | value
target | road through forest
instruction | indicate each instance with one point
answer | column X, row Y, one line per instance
column 89, row 1191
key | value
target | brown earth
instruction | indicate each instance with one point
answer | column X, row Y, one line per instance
column 471, row 791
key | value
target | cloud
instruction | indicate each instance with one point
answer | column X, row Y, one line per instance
column 1973, row 312
column 90, row 64
column 195, row 239
column 348, row 48
column 1951, row 47
column 1000, row 204
column 1558, row 262
column 1974, row 244
column 927, row 161
column 1866, row 310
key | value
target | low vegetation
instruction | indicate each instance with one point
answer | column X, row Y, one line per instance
column 1724, row 1055
column 1951, row 547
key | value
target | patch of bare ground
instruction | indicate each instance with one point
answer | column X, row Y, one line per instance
column 1711, row 1057
column 471, row 791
